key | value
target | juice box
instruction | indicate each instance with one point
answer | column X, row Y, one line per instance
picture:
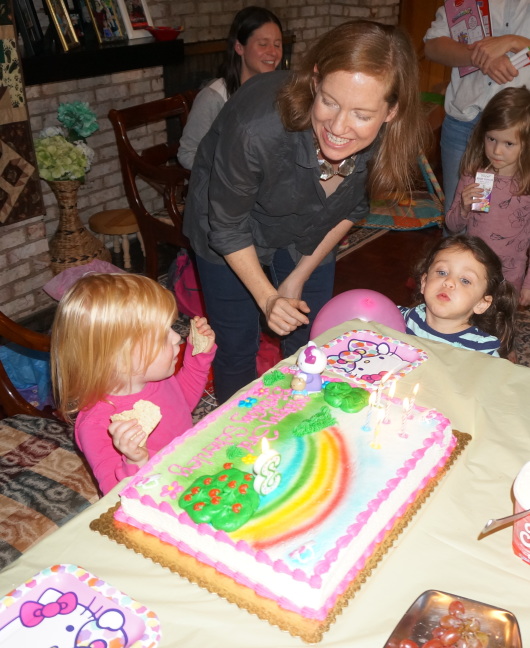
column 485, row 181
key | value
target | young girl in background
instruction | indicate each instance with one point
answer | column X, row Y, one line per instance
column 113, row 345
column 467, row 302
column 500, row 145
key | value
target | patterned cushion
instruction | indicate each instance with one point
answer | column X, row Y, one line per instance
column 44, row 482
column 424, row 207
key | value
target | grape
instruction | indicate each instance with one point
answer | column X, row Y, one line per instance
column 457, row 609
column 449, row 621
column 454, row 631
column 450, row 637
column 433, row 643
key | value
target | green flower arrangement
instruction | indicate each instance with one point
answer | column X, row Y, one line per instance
column 63, row 154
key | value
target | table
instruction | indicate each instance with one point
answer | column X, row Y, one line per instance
column 488, row 398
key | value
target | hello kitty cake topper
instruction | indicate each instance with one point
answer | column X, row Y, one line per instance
column 311, row 363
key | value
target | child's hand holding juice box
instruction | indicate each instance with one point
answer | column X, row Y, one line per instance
column 485, row 182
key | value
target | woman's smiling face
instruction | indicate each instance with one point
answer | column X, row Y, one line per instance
column 347, row 113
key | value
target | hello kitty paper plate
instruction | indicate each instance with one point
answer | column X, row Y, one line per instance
column 368, row 356
column 66, row 606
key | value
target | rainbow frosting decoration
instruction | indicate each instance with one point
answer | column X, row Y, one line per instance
column 323, row 494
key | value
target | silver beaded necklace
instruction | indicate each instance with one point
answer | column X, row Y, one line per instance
column 345, row 168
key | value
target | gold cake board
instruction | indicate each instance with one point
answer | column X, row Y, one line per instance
column 209, row 578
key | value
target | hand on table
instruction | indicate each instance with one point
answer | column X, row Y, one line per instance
column 285, row 314
column 126, row 438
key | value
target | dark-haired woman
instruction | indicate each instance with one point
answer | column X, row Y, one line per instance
column 254, row 46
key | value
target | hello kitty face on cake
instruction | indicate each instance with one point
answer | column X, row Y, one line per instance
column 370, row 363
column 60, row 620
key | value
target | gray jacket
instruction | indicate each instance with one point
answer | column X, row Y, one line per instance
column 255, row 183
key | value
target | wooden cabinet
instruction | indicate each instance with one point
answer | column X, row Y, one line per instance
column 415, row 16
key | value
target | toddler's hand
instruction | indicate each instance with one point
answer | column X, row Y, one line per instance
column 470, row 194
column 524, row 297
column 126, row 438
column 203, row 328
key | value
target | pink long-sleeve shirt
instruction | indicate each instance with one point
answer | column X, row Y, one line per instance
column 176, row 396
column 505, row 228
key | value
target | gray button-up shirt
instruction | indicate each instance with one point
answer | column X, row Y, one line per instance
column 255, row 183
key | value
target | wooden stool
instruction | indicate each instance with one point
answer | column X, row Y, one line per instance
column 118, row 223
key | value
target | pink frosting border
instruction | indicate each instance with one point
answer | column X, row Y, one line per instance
column 318, row 614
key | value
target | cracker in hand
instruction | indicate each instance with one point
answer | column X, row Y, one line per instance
column 199, row 342
column 146, row 413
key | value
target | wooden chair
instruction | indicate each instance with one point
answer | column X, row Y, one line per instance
column 157, row 166
column 11, row 401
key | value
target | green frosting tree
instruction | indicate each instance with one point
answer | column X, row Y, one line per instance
column 225, row 500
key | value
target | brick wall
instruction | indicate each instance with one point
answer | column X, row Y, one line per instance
column 24, row 247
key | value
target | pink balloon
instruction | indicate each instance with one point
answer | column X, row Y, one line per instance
column 366, row 305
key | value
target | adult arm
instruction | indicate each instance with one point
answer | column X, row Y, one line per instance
column 283, row 314
column 487, row 54
column 447, row 51
column 206, row 107
column 294, row 283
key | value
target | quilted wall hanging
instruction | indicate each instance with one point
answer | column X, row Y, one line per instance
column 20, row 190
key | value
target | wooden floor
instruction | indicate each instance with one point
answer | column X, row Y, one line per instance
column 385, row 264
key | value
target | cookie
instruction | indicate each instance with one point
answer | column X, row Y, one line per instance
column 146, row 413
column 199, row 342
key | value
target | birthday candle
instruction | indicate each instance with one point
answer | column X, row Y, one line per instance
column 375, row 442
column 404, row 416
column 414, row 394
column 266, row 468
column 391, row 393
column 367, row 424
column 380, row 389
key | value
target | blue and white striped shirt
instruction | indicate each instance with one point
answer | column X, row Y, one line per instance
column 471, row 338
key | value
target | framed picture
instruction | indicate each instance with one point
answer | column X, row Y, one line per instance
column 107, row 20
column 60, row 18
column 29, row 27
column 82, row 21
column 136, row 17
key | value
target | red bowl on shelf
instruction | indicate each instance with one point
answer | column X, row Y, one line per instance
column 164, row 33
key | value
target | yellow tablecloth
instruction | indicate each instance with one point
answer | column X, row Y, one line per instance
column 487, row 397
